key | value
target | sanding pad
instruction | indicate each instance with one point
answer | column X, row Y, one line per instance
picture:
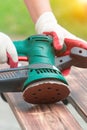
column 46, row 92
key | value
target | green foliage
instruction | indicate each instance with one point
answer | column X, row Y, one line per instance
column 16, row 21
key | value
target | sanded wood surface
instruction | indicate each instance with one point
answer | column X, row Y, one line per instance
column 41, row 117
column 54, row 116
column 78, row 86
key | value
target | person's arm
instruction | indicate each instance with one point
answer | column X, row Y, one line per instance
column 45, row 21
column 37, row 8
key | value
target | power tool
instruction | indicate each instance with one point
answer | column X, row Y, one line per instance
column 41, row 81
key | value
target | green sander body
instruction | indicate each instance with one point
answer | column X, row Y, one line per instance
column 45, row 83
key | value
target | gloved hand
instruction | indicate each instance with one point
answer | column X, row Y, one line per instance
column 47, row 24
column 8, row 52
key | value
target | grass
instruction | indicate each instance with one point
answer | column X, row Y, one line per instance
column 16, row 21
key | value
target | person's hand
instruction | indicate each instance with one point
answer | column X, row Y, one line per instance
column 8, row 52
column 48, row 25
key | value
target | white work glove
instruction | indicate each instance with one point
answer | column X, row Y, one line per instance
column 8, row 52
column 47, row 24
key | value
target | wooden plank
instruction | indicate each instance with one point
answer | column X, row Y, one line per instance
column 78, row 86
column 41, row 117
column 47, row 117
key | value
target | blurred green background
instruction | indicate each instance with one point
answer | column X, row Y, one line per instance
column 17, row 23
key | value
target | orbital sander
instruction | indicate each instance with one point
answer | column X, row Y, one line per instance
column 45, row 83
column 41, row 81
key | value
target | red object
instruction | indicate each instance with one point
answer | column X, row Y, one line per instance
column 15, row 64
column 56, row 44
column 70, row 43
column 11, row 62
column 22, row 58
column 66, row 72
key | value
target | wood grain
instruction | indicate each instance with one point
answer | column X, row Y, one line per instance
column 41, row 117
column 53, row 116
column 78, row 86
